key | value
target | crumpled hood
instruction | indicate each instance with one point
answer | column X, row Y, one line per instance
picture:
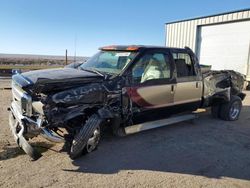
column 56, row 74
column 54, row 79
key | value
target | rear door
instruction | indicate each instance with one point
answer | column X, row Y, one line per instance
column 151, row 85
column 188, row 91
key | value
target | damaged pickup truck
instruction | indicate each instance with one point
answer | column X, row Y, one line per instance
column 126, row 88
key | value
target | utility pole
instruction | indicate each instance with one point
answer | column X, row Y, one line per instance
column 75, row 48
column 66, row 57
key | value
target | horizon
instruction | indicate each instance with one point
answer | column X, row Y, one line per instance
column 48, row 28
column 38, row 55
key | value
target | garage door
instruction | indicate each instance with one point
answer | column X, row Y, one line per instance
column 225, row 46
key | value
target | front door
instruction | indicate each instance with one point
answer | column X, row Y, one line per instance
column 152, row 86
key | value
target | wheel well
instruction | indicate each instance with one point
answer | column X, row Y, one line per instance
column 242, row 96
column 218, row 99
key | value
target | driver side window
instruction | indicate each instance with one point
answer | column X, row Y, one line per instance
column 154, row 66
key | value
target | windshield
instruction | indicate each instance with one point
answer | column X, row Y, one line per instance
column 112, row 62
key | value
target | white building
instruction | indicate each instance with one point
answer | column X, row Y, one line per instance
column 221, row 40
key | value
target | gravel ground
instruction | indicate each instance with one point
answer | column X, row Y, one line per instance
column 205, row 153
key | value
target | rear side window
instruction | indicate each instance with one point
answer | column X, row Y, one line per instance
column 184, row 64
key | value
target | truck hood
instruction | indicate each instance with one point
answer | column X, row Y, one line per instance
column 50, row 80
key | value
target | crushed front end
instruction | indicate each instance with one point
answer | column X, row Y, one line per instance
column 26, row 119
column 46, row 102
column 56, row 109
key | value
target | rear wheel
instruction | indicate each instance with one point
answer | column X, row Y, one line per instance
column 230, row 111
column 88, row 138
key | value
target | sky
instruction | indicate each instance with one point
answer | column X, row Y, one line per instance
column 48, row 27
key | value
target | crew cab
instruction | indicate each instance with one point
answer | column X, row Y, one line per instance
column 126, row 88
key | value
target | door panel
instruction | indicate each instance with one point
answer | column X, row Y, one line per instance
column 150, row 97
column 187, row 92
column 150, row 102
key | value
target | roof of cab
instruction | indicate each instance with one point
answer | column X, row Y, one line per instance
column 132, row 47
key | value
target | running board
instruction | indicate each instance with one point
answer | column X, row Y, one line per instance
column 158, row 123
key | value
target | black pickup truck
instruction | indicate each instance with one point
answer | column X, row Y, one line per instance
column 126, row 88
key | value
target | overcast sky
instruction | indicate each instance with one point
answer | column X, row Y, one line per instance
column 48, row 27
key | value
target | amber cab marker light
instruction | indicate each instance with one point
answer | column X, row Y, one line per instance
column 108, row 48
column 132, row 48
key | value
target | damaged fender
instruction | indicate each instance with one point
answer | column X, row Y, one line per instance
column 220, row 85
column 66, row 105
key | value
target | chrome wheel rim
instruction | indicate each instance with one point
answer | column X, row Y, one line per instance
column 93, row 141
column 235, row 110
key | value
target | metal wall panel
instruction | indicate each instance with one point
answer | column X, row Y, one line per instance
column 184, row 33
column 216, row 49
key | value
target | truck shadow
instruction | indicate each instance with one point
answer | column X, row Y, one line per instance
column 207, row 147
column 10, row 151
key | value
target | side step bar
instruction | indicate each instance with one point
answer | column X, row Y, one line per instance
column 158, row 123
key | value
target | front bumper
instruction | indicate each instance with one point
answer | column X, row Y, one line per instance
column 23, row 127
column 17, row 124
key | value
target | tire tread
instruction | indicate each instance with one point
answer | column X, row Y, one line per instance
column 80, row 140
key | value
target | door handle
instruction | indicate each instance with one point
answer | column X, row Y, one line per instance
column 197, row 84
column 172, row 88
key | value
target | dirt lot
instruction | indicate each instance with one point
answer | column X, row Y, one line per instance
column 206, row 153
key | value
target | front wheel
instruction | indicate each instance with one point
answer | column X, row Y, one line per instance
column 88, row 138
